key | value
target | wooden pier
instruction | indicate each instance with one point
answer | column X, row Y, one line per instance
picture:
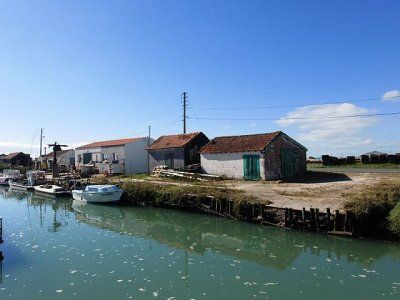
column 312, row 220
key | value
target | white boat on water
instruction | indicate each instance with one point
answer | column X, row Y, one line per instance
column 52, row 190
column 98, row 194
column 32, row 178
column 9, row 175
column 20, row 185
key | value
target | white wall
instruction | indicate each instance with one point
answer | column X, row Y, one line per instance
column 64, row 159
column 136, row 156
column 106, row 151
column 132, row 155
column 229, row 164
column 81, row 151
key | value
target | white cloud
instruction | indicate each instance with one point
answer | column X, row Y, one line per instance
column 324, row 124
column 253, row 124
column 391, row 96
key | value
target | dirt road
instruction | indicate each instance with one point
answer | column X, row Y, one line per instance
column 318, row 190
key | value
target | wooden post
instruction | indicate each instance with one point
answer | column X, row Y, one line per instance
column 249, row 211
column 317, row 219
column 243, row 209
column 312, row 219
column 336, row 221
column 290, row 217
column 328, row 219
column 346, row 221
column 303, row 218
column 286, row 216
column 260, row 211
column 353, row 222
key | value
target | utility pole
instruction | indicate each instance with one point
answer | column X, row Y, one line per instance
column 56, row 147
column 41, row 141
column 184, row 96
column 148, row 154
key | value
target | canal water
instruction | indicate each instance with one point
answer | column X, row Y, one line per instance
column 58, row 249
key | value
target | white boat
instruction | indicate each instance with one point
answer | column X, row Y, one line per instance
column 9, row 175
column 20, row 185
column 52, row 190
column 98, row 194
column 33, row 178
column 36, row 177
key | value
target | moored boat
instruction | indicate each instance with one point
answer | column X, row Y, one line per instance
column 32, row 178
column 52, row 190
column 20, row 185
column 98, row 194
column 9, row 175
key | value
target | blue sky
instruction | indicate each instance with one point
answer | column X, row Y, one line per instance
column 87, row 71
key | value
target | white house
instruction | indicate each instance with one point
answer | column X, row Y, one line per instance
column 266, row 156
column 65, row 160
column 126, row 156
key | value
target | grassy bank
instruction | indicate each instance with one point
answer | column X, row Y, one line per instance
column 377, row 209
column 174, row 194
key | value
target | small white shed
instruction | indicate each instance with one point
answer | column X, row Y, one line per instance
column 267, row 156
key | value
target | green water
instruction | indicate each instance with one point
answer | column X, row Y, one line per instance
column 63, row 250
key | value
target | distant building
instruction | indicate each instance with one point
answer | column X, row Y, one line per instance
column 16, row 159
column 267, row 156
column 65, row 160
column 177, row 151
column 374, row 153
column 115, row 156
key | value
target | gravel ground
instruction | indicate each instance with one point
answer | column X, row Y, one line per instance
column 318, row 190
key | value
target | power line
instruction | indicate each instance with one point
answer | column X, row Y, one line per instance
column 309, row 84
column 300, row 118
column 294, row 105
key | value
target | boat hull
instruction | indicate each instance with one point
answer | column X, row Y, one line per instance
column 20, row 186
column 52, row 191
column 96, row 197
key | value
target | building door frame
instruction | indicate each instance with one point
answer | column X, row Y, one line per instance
column 251, row 167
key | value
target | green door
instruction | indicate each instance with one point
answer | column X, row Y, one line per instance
column 87, row 157
column 169, row 160
column 287, row 163
column 251, row 167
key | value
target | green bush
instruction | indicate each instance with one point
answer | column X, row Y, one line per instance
column 177, row 194
column 372, row 208
column 394, row 220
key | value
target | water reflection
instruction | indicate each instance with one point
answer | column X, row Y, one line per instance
column 198, row 234
column 1, row 267
column 141, row 253
column 273, row 247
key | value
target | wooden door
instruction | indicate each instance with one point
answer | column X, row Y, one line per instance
column 251, row 167
column 169, row 160
column 287, row 163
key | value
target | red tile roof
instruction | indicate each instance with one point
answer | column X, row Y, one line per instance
column 109, row 143
column 173, row 141
column 239, row 143
column 60, row 152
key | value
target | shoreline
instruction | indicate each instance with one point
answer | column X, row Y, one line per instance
column 362, row 210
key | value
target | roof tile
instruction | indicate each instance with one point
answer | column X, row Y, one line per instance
column 12, row 155
column 173, row 141
column 109, row 143
column 240, row 143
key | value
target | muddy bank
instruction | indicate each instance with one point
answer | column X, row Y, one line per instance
column 235, row 205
